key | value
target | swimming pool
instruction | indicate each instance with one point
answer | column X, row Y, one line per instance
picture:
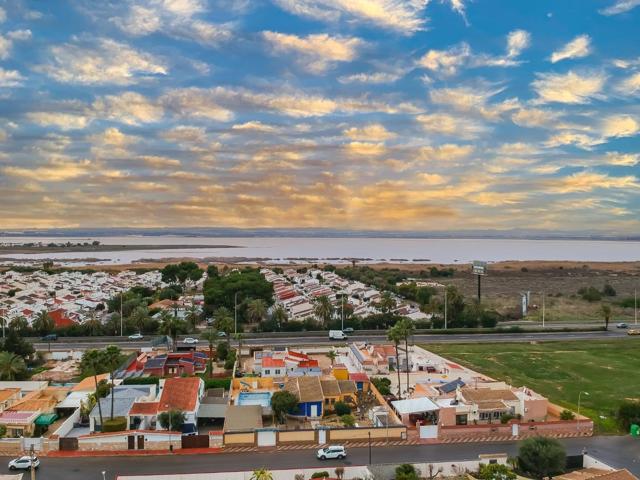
column 254, row 398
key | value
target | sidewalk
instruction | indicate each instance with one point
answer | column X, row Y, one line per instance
column 131, row 453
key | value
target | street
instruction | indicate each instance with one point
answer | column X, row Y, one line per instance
column 619, row 452
column 266, row 339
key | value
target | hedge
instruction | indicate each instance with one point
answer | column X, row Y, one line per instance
column 217, row 383
column 118, row 424
column 142, row 381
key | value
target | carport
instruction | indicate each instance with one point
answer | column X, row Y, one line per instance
column 415, row 411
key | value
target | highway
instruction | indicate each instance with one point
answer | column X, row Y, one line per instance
column 70, row 343
column 619, row 452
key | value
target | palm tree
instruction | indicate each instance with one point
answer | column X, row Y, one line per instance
column 193, row 316
column 223, row 321
column 395, row 336
column 386, row 303
column 170, row 325
column 94, row 325
column 43, row 323
column 256, row 310
column 91, row 357
column 4, row 323
column 605, row 310
column 210, row 336
column 262, row 474
column 139, row 317
column 239, row 337
column 11, row 365
column 280, row 315
column 331, row 355
column 323, row 309
column 111, row 361
column 19, row 324
column 406, row 330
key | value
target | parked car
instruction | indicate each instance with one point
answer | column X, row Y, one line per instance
column 633, row 331
column 23, row 463
column 332, row 451
column 337, row 335
column 190, row 340
column 52, row 337
column 348, row 330
column 621, row 325
column 136, row 336
column 222, row 334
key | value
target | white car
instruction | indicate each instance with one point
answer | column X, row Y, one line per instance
column 136, row 336
column 23, row 463
column 190, row 340
column 332, row 451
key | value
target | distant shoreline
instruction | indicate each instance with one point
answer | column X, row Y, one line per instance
column 23, row 249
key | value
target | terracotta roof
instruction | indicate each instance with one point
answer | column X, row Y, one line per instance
column 272, row 362
column 88, row 384
column 180, row 394
column 144, row 408
column 330, row 388
column 307, row 389
column 60, row 318
column 617, row 475
column 596, row 473
column 359, row 377
column 7, row 393
column 347, row 386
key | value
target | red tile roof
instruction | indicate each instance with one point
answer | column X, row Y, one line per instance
column 144, row 408
column 179, row 394
column 359, row 377
column 272, row 362
column 60, row 318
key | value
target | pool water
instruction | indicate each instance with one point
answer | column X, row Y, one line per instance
column 254, row 398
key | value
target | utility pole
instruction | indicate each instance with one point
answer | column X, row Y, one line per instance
column 635, row 306
column 342, row 311
column 32, row 455
column 543, row 297
column 235, row 313
column 369, row 447
column 121, row 319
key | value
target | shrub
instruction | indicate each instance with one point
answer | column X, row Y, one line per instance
column 406, row 471
column 567, row 415
column 173, row 420
column 222, row 351
column 542, row 457
column 118, row 424
column 495, row 471
column 348, row 420
column 230, row 361
column 383, row 384
column 628, row 414
column 323, row 474
column 142, row 381
column 341, row 409
column 3, row 431
column 506, row 417
column 217, row 383
column 609, row 291
column 590, row 294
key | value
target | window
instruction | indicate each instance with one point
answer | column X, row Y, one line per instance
column 461, row 419
column 497, row 415
column 485, row 415
column 267, row 371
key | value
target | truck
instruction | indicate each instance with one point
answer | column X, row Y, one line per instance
column 337, row 335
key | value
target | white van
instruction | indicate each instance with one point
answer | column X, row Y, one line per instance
column 337, row 335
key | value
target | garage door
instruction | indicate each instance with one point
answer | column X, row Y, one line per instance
column 266, row 438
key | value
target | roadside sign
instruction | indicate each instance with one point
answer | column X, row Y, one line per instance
column 479, row 268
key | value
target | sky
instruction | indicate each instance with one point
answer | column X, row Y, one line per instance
column 351, row 114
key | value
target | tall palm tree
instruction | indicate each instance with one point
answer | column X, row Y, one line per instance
column 386, row 303
column 210, row 336
column 331, row 355
column 111, row 361
column 193, row 316
column 43, row 323
column 280, row 315
column 92, row 358
column 139, row 317
column 323, row 309
column 239, row 337
column 224, row 322
column 406, row 330
column 256, row 310
column 94, row 325
column 395, row 336
column 605, row 310
column 3, row 323
column 170, row 325
column 11, row 365
column 262, row 474
column 19, row 324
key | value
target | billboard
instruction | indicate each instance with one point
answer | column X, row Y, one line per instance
column 479, row 268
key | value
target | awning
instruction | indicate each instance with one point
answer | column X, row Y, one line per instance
column 46, row 419
column 414, row 405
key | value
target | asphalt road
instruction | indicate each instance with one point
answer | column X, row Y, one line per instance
column 619, row 452
column 64, row 344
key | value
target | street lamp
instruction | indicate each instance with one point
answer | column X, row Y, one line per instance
column 235, row 313
column 578, row 422
column 166, row 405
column 369, row 447
column 104, row 475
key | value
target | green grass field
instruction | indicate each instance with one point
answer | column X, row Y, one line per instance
column 608, row 370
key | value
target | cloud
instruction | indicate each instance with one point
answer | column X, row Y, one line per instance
column 3, row 15
column 587, row 181
column 446, row 62
column 129, row 108
column 570, row 88
column 579, row 47
column 317, row 53
column 157, row 161
column 175, row 18
column 620, row 6
column 451, row 125
column 373, row 78
column 370, row 149
column 10, row 78
column 580, row 140
column 620, row 126
column 474, row 100
column 195, row 102
column 100, row 62
column 431, row 179
column 630, row 85
column 372, row 132
column 254, row 126
column 517, row 41
column 64, row 121
column 446, row 152
column 184, row 134
column 622, row 159
column 54, row 171
column 403, row 16
column 535, row 117
column 6, row 43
